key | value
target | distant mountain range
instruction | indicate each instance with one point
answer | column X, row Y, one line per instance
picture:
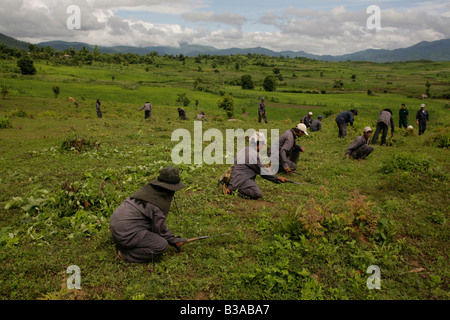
column 436, row 50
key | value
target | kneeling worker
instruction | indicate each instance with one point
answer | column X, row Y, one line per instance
column 288, row 150
column 360, row 149
column 248, row 165
column 138, row 225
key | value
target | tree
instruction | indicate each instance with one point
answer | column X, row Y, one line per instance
column 428, row 85
column 269, row 84
column 56, row 91
column 183, row 99
column 247, row 82
column 26, row 65
column 353, row 77
column 227, row 104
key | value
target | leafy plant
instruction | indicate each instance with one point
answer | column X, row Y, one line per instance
column 227, row 104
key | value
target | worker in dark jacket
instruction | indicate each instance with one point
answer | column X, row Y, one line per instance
column 422, row 118
column 138, row 225
column 360, row 149
column 247, row 165
column 262, row 111
column 182, row 113
column 97, row 107
column 403, row 116
column 385, row 120
column 148, row 110
column 343, row 118
column 288, row 150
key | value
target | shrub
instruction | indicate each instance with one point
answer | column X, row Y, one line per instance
column 441, row 138
column 79, row 144
column 269, row 84
column 26, row 65
column 5, row 123
column 247, row 82
column 405, row 162
column 227, row 104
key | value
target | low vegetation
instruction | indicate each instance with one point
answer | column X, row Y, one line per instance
column 64, row 171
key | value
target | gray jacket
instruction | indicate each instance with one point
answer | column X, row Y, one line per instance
column 356, row 144
column 286, row 145
column 261, row 107
column 386, row 118
column 131, row 220
column 247, row 166
column 316, row 125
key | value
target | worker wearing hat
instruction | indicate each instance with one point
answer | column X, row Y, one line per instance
column 247, row 165
column 422, row 117
column 138, row 225
column 288, row 150
column 316, row 125
column 307, row 120
column 360, row 149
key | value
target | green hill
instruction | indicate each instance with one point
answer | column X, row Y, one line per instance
column 13, row 43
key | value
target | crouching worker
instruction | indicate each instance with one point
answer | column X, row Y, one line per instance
column 138, row 225
column 247, row 165
column 360, row 149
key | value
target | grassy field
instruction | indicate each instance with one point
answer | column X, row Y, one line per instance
column 300, row 242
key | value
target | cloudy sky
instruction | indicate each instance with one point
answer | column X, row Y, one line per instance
column 317, row 27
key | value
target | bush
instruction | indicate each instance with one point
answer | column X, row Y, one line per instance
column 405, row 162
column 227, row 104
column 247, row 82
column 269, row 84
column 26, row 65
column 440, row 139
column 79, row 144
column 5, row 123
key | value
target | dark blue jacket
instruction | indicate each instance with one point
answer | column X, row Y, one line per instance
column 422, row 116
column 345, row 117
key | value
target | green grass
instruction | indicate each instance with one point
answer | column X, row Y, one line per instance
column 313, row 241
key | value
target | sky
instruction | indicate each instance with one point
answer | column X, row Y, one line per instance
column 316, row 27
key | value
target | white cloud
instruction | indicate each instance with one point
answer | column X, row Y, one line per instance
column 319, row 31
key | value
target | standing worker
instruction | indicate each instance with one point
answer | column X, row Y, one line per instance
column 343, row 118
column 403, row 115
column 288, row 150
column 385, row 120
column 247, row 165
column 97, row 106
column 360, row 149
column 262, row 111
column 138, row 225
column 148, row 110
column 422, row 118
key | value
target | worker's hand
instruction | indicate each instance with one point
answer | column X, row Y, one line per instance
column 287, row 169
column 177, row 242
column 282, row 179
column 347, row 156
column 302, row 149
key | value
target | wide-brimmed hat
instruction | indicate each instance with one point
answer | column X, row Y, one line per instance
column 169, row 178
